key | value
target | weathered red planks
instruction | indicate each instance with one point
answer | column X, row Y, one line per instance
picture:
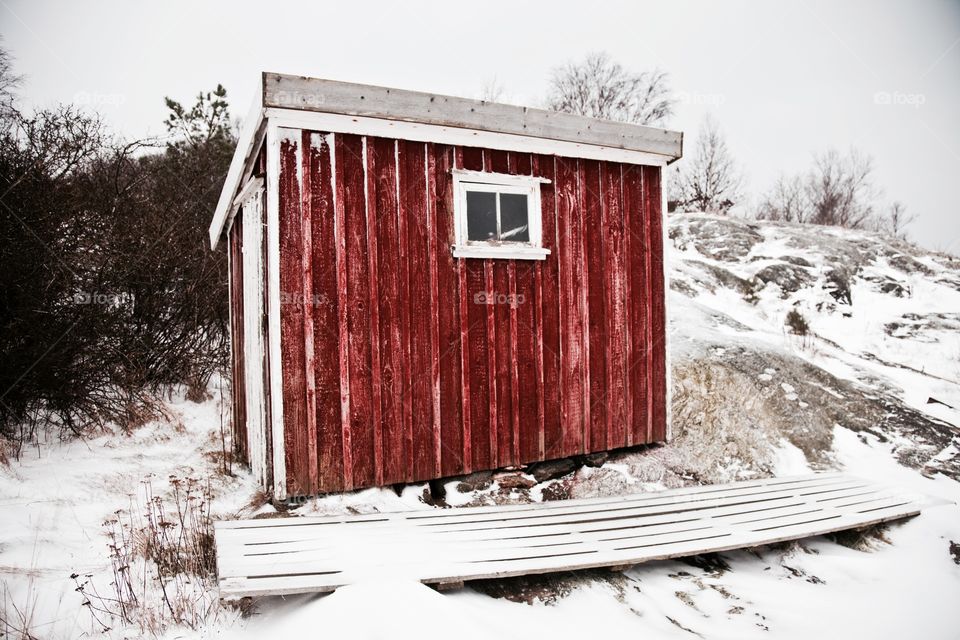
column 478, row 404
column 307, row 176
column 451, row 320
column 652, row 199
column 503, row 338
column 617, row 330
column 548, row 314
column 598, row 280
column 292, row 359
column 385, row 225
column 362, row 426
column 326, row 313
column 573, row 392
column 638, row 349
column 426, row 366
column 526, row 357
column 423, row 437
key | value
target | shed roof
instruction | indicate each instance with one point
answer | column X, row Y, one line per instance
column 301, row 94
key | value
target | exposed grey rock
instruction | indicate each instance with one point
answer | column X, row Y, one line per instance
column 514, row 480
column 838, row 284
column 714, row 276
column 886, row 284
column 475, row 481
column 909, row 264
column 797, row 260
column 682, row 286
column 726, row 239
column 794, row 260
column 790, row 278
column 595, row 459
column 920, row 326
column 950, row 281
column 551, row 469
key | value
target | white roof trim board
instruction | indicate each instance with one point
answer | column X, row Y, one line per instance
column 510, row 125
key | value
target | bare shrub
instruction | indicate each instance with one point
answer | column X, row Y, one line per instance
column 163, row 562
column 109, row 294
column 17, row 618
column 796, row 323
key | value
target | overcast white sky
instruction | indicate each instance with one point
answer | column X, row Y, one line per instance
column 785, row 79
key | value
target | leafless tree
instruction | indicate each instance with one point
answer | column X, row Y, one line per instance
column 837, row 190
column 895, row 221
column 599, row 87
column 840, row 189
column 786, row 201
column 492, row 90
column 9, row 82
column 710, row 180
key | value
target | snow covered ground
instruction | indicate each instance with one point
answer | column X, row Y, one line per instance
column 750, row 399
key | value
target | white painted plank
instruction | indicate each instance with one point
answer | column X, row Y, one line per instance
column 669, row 509
column 233, row 546
column 248, row 557
column 697, row 493
column 535, row 539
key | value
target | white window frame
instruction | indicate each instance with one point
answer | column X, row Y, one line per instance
column 464, row 181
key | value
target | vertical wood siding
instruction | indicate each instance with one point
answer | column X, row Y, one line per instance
column 401, row 363
column 238, row 384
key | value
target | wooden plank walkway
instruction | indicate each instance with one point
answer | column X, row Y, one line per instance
column 449, row 546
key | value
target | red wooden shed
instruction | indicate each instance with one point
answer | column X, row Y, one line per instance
column 423, row 286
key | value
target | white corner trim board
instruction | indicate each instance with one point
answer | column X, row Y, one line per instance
column 273, row 311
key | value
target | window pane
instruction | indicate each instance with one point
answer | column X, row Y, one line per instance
column 514, row 223
column 481, row 215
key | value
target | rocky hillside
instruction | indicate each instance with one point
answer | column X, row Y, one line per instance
column 791, row 330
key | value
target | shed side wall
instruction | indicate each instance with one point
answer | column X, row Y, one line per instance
column 414, row 375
